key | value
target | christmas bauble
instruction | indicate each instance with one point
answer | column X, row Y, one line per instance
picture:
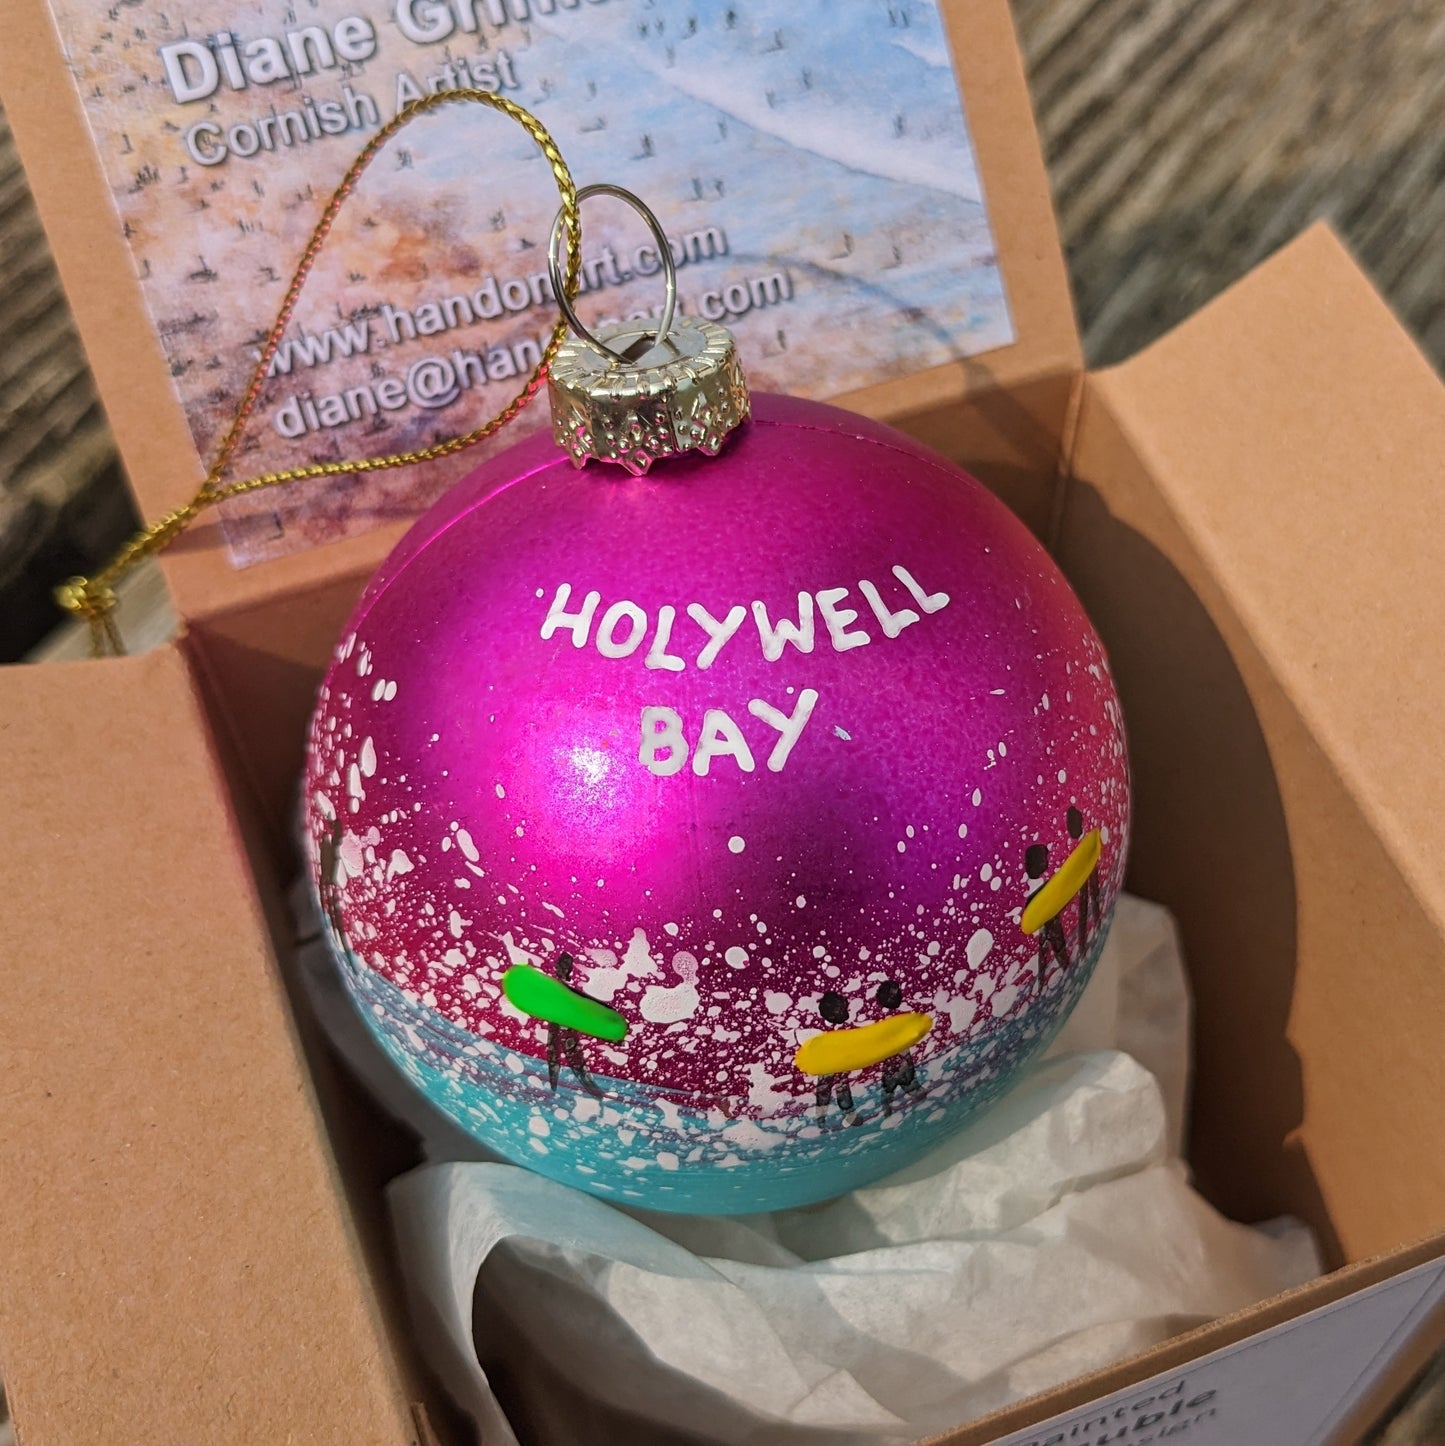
column 718, row 840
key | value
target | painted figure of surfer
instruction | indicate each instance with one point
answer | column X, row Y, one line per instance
column 834, row 1009
column 1076, row 878
column 328, row 865
column 563, row 1042
column 899, row 1070
column 831, row 1057
column 568, row 1014
column 1089, row 908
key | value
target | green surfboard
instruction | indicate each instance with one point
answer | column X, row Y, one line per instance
column 553, row 1002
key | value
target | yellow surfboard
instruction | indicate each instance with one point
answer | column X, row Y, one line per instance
column 842, row 1050
column 1050, row 901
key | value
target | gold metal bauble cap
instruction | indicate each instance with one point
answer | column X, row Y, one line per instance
column 636, row 393
column 684, row 393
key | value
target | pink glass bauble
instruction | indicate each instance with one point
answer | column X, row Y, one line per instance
column 785, row 789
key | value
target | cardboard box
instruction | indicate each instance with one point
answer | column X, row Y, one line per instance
column 1249, row 509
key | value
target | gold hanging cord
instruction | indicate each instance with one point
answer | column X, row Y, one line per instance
column 93, row 598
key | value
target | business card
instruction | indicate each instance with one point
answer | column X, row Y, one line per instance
column 809, row 162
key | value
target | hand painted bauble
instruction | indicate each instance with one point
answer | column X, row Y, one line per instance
column 718, row 840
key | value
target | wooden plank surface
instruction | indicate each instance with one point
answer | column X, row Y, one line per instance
column 1188, row 139
column 63, row 500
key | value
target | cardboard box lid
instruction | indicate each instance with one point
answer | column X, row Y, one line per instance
column 1299, row 436
column 177, row 1249
column 99, row 275
column 1270, row 474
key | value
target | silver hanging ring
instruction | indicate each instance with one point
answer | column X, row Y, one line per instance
column 664, row 252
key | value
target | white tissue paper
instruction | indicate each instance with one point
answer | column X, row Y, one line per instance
column 1052, row 1237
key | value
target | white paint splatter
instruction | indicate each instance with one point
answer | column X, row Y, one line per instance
column 761, row 1093
column 737, row 956
column 1003, row 999
column 352, row 854
column 638, row 960
column 960, row 1010
column 603, row 979
column 667, row 1006
column 978, row 947
column 736, row 845
column 747, row 1135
